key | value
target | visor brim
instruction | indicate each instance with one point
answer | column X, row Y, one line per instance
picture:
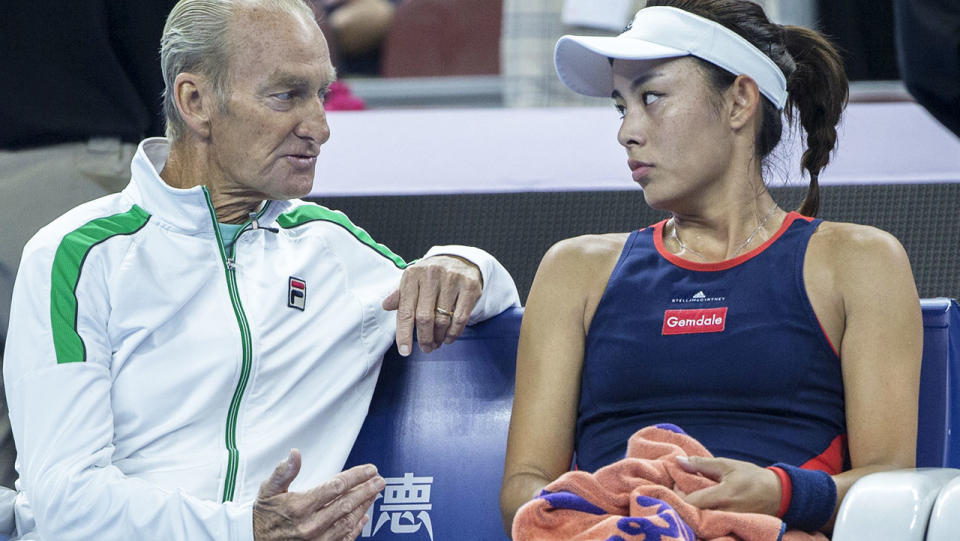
column 583, row 62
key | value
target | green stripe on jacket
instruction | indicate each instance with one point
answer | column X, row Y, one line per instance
column 312, row 213
column 67, row 264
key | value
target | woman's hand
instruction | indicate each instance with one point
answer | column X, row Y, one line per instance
column 741, row 486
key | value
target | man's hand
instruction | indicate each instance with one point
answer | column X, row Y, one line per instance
column 741, row 486
column 437, row 294
column 334, row 510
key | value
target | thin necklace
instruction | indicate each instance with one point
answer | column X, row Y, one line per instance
column 685, row 248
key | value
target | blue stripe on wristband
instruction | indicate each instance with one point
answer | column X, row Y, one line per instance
column 813, row 500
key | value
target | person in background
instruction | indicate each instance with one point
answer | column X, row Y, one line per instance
column 788, row 346
column 356, row 30
column 863, row 32
column 928, row 48
column 171, row 344
column 81, row 87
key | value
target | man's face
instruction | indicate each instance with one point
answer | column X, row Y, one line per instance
column 264, row 141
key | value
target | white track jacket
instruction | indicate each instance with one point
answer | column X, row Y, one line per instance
column 155, row 379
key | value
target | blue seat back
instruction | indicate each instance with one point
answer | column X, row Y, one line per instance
column 437, row 426
column 938, row 429
column 437, row 431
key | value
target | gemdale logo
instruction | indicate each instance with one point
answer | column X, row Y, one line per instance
column 694, row 321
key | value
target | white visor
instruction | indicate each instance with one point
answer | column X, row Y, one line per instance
column 665, row 32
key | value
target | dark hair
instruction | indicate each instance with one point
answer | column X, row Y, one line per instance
column 816, row 82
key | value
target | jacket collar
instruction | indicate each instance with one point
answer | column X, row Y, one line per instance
column 182, row 209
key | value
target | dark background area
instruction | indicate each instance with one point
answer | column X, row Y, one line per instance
column 863, row 31
column 518, row 228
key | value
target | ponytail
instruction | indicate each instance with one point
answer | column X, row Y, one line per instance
column 817, row 92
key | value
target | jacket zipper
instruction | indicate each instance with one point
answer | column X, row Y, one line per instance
column 229, row 266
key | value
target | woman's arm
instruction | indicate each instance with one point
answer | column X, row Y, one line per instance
column 568, row 285
column 880, row 349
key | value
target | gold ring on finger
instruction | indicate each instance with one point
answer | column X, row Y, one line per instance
column 442, row 312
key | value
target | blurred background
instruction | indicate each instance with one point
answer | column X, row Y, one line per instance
column 478, row 142
column 450, row 125
column 499, row 52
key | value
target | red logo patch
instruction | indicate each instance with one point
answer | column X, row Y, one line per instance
column 297, row 293
column 694, row 321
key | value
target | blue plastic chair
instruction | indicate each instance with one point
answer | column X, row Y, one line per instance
column 917, row 504
column 437, row 431
column 939, row 408
column 437, row 426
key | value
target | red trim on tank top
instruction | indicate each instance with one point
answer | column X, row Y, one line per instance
column 831, row 459
column 721, row 265
column 823, row 330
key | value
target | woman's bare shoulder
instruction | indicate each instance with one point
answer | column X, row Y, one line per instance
column 847, row 241
column 578, row 265
column 572, row 278
column 585, row 254
column 591, row 246
column 857, row 252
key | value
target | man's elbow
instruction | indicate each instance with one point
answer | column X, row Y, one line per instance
column 64, row 505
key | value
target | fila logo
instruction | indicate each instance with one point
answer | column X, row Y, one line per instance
column 297, row 294
column 694, row 321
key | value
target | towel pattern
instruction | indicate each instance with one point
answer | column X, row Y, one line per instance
column 634, row 499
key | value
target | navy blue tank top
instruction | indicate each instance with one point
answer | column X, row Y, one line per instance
column 731, row 352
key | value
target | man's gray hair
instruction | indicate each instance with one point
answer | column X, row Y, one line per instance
column 195, row 39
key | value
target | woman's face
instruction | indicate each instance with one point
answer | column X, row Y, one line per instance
column 678, row 146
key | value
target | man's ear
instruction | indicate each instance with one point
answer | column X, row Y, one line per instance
column 195, row 100
column 744, row 98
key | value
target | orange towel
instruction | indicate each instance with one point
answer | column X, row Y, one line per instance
column 633, row 500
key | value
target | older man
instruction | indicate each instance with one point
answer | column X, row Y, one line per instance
column 171, row 344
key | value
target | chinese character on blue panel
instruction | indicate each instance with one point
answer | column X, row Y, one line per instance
column 404, row 504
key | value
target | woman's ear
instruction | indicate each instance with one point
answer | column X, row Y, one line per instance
column 195, row 100
column 744, row 100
